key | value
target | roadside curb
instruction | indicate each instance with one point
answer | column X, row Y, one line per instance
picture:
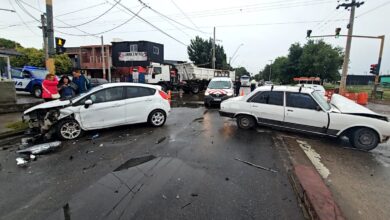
column 12, row 133
column 14, row 107
column 309, row 186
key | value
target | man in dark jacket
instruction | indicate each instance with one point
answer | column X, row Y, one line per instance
column 83, row 84
column 237, row 86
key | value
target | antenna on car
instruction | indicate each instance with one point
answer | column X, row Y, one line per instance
column 272, row 88
column 300, row 88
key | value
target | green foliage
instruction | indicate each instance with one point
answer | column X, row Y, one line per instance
column 314, row 59
column 30, row 56
column 8, row 44
column 63, row 64
column 240, row 71
column 200, row 52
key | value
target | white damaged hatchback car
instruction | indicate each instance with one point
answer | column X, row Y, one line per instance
column 306, row 110
column 104, row 106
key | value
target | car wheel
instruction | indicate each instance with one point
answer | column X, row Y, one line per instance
column 37, row 92
column 157, row 118
column 364, row 139
column 245, row 122
column 69, row 129
column 207, row 105
column 195, row 89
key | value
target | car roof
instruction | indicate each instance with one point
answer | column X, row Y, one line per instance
column 109, row 85
column 221, row 79
column 285, row 89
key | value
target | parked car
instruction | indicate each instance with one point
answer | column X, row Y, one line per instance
column 306, row 110
column 97, row 81
column 219, row 89
column 29, row 79
column 104, row 106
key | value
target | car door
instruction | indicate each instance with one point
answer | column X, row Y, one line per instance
column 268, row 107
column 108, row 109
column 139, row 103
column 22, row 79
column 302, row 112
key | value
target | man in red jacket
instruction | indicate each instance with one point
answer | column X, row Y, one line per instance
column 49, row 88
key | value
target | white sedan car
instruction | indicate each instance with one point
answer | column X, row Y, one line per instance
column 305, row 110
column 104, row 106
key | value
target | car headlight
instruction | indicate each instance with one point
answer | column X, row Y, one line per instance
column 229, row 94
column 206, row 93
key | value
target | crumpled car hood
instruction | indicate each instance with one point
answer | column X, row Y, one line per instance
column 347, row 106
column 47, row 105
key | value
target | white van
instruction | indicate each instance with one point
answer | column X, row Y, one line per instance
column 218, row 90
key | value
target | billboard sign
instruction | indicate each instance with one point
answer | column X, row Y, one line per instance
column 132, row 56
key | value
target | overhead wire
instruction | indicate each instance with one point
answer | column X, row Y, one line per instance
column 185, row 15
column 373, row 9
column 146, row 21
column 21, row 19
column 92, row 20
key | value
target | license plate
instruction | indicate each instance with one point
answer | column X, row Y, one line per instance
column 217, row 100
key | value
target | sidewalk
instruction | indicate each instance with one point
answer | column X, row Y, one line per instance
column 23, row 102
column 8, row 122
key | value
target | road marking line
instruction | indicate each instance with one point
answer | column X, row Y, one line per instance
column 315, row 158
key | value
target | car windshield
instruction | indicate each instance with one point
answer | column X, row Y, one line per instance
column 38, row 73
column 321, row 100
column 220, row 85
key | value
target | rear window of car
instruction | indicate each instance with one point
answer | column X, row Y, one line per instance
column 137, row 91
column 268, row 97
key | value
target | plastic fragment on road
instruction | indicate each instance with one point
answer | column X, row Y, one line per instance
column 94, row 136
column 257, row 166
column 41, row 148
column 21, row 162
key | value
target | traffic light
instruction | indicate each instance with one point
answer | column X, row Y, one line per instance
column 374, row 69
column 60, row 49
column 308, row 33
column 337, row 34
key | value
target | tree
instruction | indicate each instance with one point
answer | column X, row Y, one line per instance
column 8, row 44
column 315, row 58
column 200, row 52
column 30, row 57
column 63, row 64
column 240, row 71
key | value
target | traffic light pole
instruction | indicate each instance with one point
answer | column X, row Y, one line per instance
column 50, row 36
column 213, row 58
column 44, row 33
column 103, row 60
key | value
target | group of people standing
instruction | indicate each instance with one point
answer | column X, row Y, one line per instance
column 64, row 88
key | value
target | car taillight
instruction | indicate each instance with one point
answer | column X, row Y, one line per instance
column 163, row 95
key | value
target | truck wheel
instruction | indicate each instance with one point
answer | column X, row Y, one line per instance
column 195, row 89
column 69, row 129
column 364, row 139
column 245, row 122
column 37, row 92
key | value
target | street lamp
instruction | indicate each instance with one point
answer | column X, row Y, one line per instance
column 270, row 71
column 230, row 59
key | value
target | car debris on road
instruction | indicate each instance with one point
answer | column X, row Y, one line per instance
column 257, row 166
column 41, row 148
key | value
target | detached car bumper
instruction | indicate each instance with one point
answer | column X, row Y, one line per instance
column 212, row 99
column 226, row 114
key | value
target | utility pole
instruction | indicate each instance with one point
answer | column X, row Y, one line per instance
column 344, row 74
column 103, row 62
column 50, row 36
column 270, row 70
column 44, row 35
column 213, row 59
column 109, row 63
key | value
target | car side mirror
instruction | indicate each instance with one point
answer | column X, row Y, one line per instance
column 87, row 103
column 318, row 108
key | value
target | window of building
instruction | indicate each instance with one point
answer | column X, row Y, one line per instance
column 134, row 48
column 156, row 50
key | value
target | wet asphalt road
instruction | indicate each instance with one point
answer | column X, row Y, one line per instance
column 184, row 170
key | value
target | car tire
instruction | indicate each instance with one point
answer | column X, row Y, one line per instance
column 207, row 105
column 195, row 89
column 157, row 118
column 37, row 92
column 69, row 129
column 245, row 122
column 364, row 139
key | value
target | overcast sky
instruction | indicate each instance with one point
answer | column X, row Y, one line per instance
column 266, row 28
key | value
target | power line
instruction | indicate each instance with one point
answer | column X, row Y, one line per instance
column 21, row 19
column 103, row 32
column 82, row 9
column 18, row 2
column 92, row 20
column 157, row 12
column 373, row 9
column 151, row 24
column 185, row 15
